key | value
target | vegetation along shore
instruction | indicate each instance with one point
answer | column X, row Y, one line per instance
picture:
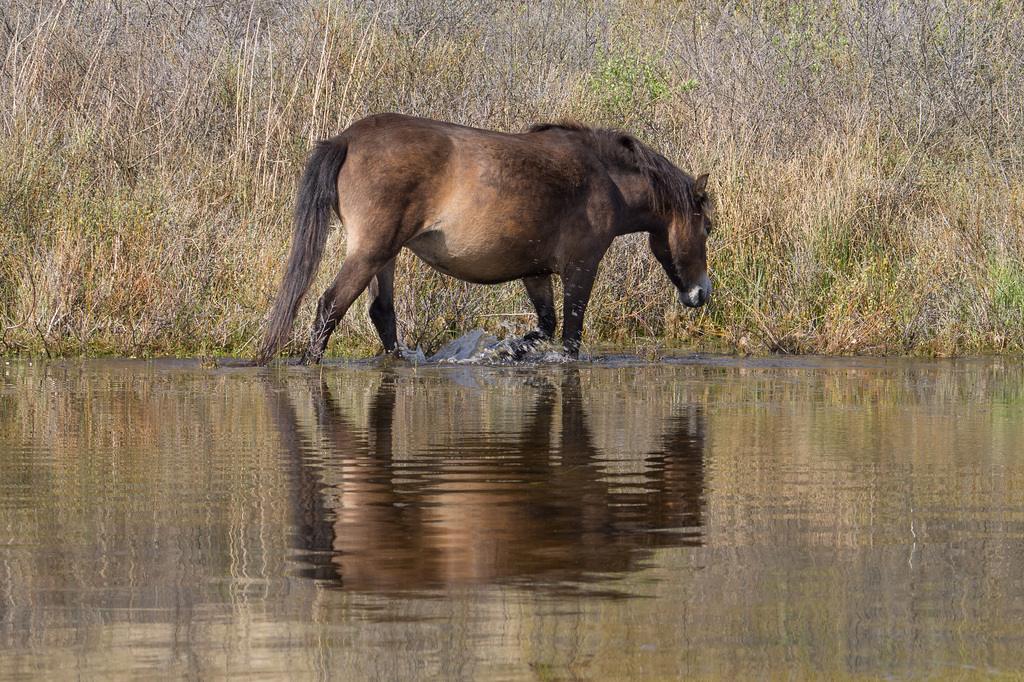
column 866, row 160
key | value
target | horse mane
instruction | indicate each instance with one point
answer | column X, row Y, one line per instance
column 564, row 124
column 672, row 188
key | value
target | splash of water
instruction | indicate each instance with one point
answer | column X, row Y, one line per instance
column 480, row 347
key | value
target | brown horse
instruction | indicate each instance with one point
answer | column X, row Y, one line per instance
column 485, row 207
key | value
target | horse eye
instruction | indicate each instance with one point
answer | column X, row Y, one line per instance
column 706, row 223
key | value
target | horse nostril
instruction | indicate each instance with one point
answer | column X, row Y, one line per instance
column 704, row 291
column 694, row 297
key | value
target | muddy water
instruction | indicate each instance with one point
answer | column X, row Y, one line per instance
column 695, row 517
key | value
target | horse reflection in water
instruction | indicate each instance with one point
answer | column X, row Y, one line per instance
column 535, row 506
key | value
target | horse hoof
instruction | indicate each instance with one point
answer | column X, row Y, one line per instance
column 308, row 360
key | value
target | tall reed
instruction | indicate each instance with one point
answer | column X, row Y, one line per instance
column 866, row 160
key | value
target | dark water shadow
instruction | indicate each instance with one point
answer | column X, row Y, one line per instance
column 539, row 506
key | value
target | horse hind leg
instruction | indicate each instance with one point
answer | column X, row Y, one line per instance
column 353, row 277
column 382, row 306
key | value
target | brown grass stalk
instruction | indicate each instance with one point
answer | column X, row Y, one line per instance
column 867, row 168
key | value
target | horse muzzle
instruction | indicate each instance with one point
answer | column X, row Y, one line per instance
column 697, row 295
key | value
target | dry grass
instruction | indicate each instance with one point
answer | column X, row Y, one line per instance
column 867, row 162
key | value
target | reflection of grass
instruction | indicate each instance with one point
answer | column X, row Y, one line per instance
column 867, row 168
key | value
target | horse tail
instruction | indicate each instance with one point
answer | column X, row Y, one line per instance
column 316, row 198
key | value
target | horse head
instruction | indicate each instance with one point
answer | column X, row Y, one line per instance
column 682, row 247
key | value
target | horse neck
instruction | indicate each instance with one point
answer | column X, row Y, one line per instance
column 640, row 215
column 646, row 221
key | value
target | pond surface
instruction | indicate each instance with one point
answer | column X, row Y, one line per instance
column 698, row 517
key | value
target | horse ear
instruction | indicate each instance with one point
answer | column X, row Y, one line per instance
column 700, row 186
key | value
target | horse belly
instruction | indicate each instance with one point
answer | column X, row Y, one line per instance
column 479, row 259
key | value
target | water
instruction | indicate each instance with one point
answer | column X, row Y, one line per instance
column 614, row 519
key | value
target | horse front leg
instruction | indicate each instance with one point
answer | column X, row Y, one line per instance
column 578, row 283
column 542, row 297
column 353, row 277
